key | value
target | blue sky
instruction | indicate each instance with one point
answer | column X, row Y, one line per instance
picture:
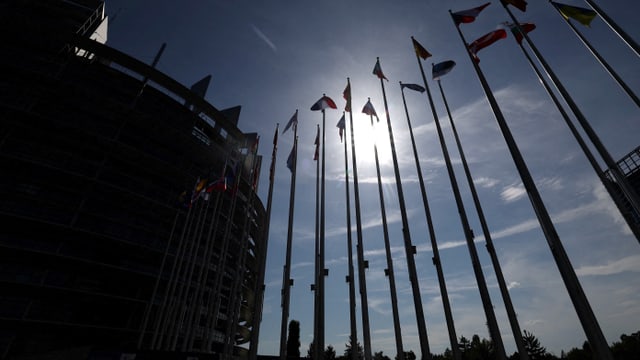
column 278, row 56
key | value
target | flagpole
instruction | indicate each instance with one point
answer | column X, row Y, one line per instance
column 408, row 246
column 492, row 322
column 600, row 59
column 286, row 278
column 585, row 148
column 316, row 253
column 387, row 246
column 579, row 299
column 323, row 271
column 504, row 290
column 617, row 29
column 362, row 263
column 350, row 277
column 626, row 188
column 453, row 339
column 255, row 334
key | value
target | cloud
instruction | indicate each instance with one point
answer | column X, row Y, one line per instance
column 626, row 264
column 513, row 192
column 264, row 38
column 486, row 182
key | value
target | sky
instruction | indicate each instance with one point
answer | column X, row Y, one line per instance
column 273, row 57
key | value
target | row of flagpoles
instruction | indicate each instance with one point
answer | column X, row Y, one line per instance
column 585, row 314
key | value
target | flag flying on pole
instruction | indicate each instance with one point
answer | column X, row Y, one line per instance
column 485, row 41
column 369, row 110
column 442, row 68
column 520, row 4
column 341, row 126
column 527, row 27
column 415, row 87
column 420, row 50
column 290, row 159
column 468, row 16
column 581, row 15
column 377, row 70
column 346, row 94
column 292, row 121
column 198, row 190
column 273, row 155
column 323, row 103
column 316, row 153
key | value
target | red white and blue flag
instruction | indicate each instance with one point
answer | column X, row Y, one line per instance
column 323, row 103
column 468, row 16
column 485, row 41
column 369, row 110
column 377, row 71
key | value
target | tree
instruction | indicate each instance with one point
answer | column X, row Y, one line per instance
column 329, row 353
column 380, row 356
column 408, row 355
column 293, row 341
column 533, row 347
column 359, row 350
column 312, row 347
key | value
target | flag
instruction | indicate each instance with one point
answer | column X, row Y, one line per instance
column 316, row 153
column 377, row 70
column 323, row 103
column 290, row 159
column 273, row 155
column 218, row 185
column 520, row 4
column 340, row 126
column 415, row 87
column 369, row 110
column 468, row 16
column 485, row 41
column 420, row 50
column 198, row 190
column 527, row 27
column 292, row 121
column 581, row 15
column 442, row 68
column 346, row 94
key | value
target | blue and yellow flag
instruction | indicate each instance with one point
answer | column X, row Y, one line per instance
column 581, row 15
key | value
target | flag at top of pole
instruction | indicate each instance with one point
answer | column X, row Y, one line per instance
column 581, row 15
column 292, row 121
column 414, row 87
column 468, row 16
column 377, row 70
column 346, row 94
column 420, row 50
column 520, row 4
column 341, row 126
column 369, row 110
column 442, row 68
column 323, row 103
column 485, row 41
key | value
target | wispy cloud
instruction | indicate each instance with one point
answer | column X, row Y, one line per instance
column 486, row 182
column 264, row 38
column 626, row 264
column 513, row 192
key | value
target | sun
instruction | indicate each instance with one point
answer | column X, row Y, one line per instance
column 366, row 136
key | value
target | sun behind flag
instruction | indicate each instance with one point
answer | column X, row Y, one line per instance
column 323, row 103
column 420, row 50
column 520, row 4
column 369, row 110
column 468, row 16
column 377, row 70
column 341, row 126
column 485, row 41
column 581, row 15
column 346, row 94
column 442, row 68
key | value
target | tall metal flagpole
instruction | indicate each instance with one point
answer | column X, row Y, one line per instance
column 577, row 295
column 617, row 29
column 316, row 254
column 600, row 59
column 255, row 334
column 362, row 264
column 286, row 278
column 615, row 196
column 492, row 322
column 323, row 271
column 408, row 246
column 504, row 290
column 453, row 339
column 350, row 278
column 629, row 192
column 387, row 246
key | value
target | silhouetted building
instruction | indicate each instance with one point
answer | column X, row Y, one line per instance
column 630, row 167
column 128, row 208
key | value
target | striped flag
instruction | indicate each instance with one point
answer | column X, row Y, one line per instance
column 485, row 41
column 323, row 103
column 468, row 16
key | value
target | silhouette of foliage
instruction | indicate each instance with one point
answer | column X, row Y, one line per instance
column 293, row 341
